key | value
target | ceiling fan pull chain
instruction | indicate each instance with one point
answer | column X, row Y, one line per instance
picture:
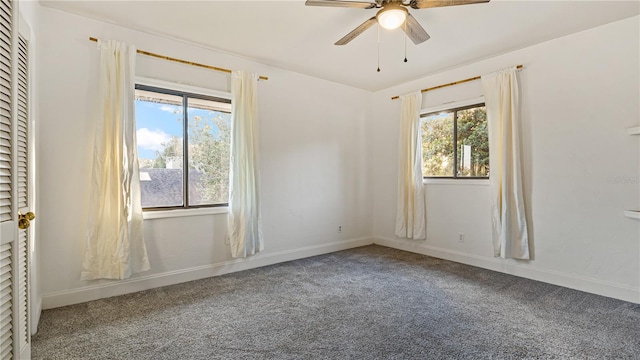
column 405, row 41
column 378, row 48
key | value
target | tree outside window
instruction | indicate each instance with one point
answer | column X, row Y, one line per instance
column 455, row 143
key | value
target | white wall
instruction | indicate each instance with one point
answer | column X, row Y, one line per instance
column 579, row 94
column 314, row 162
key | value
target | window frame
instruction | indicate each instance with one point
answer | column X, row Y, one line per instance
column 185, row 92
column 454, row 107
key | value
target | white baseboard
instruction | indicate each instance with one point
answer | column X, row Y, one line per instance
column 95, row 292
column 571, row 281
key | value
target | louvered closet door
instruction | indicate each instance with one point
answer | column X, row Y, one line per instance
column 14, row 271
column 7, row 212
column 23, row 333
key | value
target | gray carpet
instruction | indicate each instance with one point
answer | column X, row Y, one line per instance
column 366, row 303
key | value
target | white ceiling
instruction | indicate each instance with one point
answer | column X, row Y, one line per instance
column 300, row 38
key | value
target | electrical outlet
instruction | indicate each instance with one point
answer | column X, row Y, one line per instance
column 461, row 237
column 339, row 229
column 227, row 240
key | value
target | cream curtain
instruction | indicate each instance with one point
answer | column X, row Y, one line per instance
column 510, row 237
column 411, row 218
column 245, row 223
column 115, row 248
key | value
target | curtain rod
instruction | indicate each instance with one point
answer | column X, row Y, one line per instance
column 450, row 84
column 183, row 61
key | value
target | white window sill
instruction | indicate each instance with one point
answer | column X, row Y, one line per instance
column 457, row 182
column 162, row 214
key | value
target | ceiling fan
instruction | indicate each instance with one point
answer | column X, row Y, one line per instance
column 392, row 14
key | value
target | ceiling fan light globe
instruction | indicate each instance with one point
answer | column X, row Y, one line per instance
column 391, row 18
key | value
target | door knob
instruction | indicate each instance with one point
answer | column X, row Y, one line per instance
column 24, row 220
column 23, row 224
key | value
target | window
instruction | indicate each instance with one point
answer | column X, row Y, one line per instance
column 176, row 128
column 455, row 143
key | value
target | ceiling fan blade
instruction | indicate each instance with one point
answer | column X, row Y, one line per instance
column 357, row 31
column 414, row 30
column 425, row 4
column 341, row 3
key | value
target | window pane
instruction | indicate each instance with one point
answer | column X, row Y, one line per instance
column 209, row 146
column 159, row 136
column 473, row 143
column 437, row 145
